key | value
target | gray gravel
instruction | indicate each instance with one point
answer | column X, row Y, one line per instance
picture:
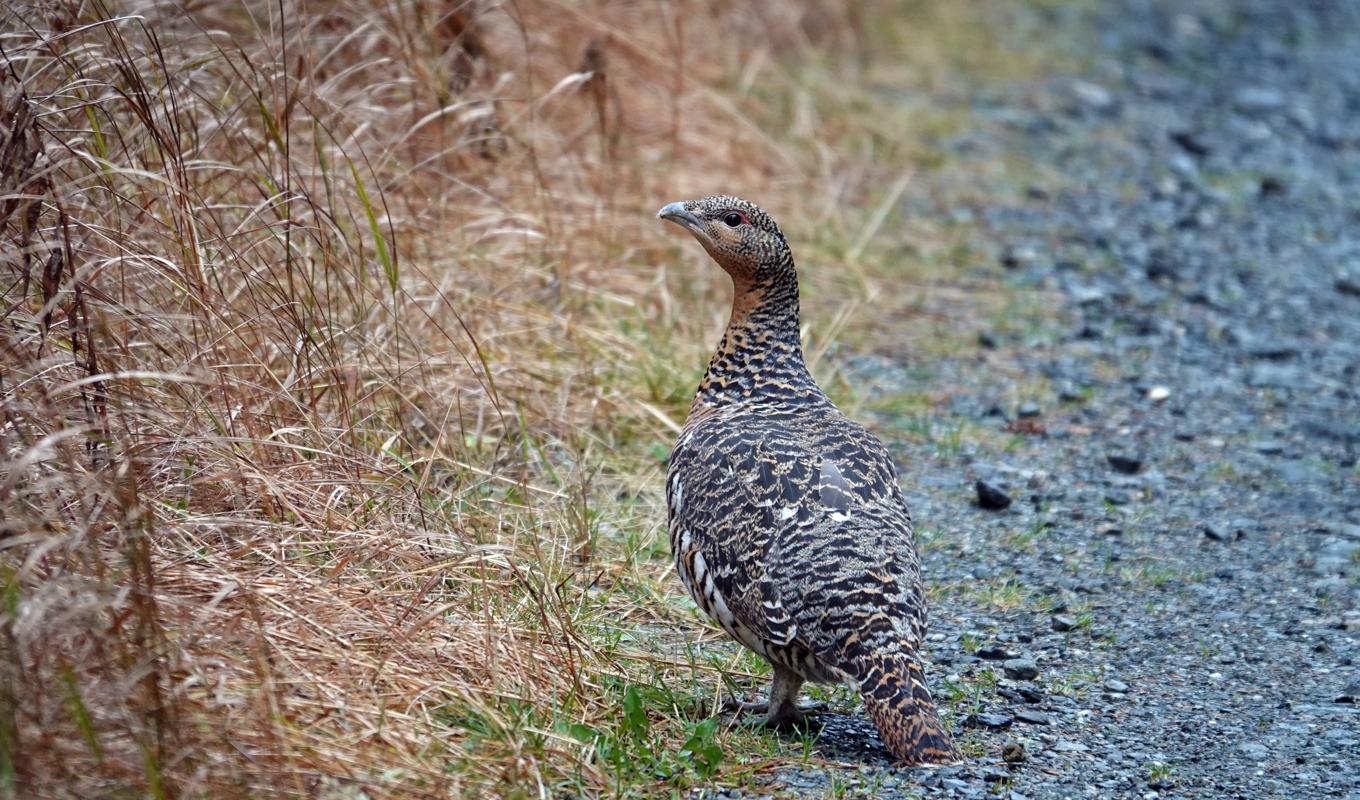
column 1180, row 553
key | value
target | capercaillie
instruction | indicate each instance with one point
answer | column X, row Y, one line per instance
column 786, row 518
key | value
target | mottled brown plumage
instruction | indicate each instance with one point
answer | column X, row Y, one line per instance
column 786, row 519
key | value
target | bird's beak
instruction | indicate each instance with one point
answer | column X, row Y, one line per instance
column 676, row 212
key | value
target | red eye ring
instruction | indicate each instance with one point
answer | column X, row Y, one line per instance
column 734, row 218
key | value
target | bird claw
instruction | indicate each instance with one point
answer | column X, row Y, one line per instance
column 732, row 705
column 791, row 717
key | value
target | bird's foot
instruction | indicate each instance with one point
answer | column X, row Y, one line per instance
column 782, row 718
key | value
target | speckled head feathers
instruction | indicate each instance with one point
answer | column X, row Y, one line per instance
column 738, row 234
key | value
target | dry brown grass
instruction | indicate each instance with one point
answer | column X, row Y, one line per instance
column 339, row 348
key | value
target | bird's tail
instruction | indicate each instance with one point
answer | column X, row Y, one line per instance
column 898, row 702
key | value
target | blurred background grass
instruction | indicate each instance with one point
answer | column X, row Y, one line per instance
column 342, row 354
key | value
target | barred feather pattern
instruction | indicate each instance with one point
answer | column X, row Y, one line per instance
column 786, row 518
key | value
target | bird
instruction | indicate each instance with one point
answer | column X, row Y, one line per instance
column 786, row 518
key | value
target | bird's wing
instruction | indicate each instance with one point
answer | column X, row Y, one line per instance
column 763, row 505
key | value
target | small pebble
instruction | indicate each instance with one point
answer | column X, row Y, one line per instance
column 991, row 497
column 1016, row 257
column 1268, row 447
column 992, row 722
column 1223, row 533
column 1013, row 753
column 1158, row 393
column 1062, row 623
column 1127, row 463
column 1254, row 750
column 1093, row 95
column 1034, row 717
column 1020, row 693
column 994, row 652
column 1020, row 669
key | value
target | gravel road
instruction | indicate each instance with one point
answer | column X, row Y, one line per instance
column 1168, row 606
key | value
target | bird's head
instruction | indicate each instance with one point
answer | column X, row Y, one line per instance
column 739, row 235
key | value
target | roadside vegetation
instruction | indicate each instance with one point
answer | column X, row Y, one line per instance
column 342, row 354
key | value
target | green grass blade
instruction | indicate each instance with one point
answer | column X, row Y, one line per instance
column 384, row 256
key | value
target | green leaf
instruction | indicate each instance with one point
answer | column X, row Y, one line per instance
column 384, row 256
column 635, row 720
column 701, row 750
column 582, row 732
column 79, row 713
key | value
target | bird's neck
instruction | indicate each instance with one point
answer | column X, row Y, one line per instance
column 760, row 357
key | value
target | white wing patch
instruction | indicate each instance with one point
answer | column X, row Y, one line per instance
column 677, row 494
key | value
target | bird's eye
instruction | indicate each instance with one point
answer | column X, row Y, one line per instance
column 734, row 218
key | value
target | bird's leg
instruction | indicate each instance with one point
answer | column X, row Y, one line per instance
column 781, row 710
column 784, row 712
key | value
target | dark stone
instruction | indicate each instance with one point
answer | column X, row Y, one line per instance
column 1127, row 463
column 1161, row 266
column 1271, row 185
column 1351, row 695
column 994, row 652
column 1027, row 410
column 1348, row 285
column 1062, row 623
column 1016, row 257
column 1020, row 693
column 1273, row 351
column 991, row 497
column 1191, row 143
column 1034, row 717
column 1020, row 669
column 991, row 722
column 988, row 340
column 1230, row 532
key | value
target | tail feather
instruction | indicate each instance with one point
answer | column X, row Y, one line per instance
column 899, row 704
